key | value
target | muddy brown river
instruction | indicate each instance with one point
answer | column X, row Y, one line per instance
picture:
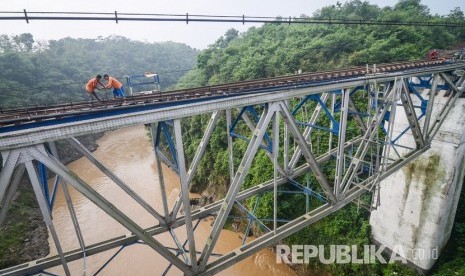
column 128, row 153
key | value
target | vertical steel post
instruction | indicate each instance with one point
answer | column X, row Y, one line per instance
column 275, row 169
column 69, row 203
column 197, row 157
column 341, row 141
column 390, row 129
column 429, row 107
column 242, row 170
column 10, row 160
column 372, row 130
column 331, row 122
column 11, row 191
column 44, row 208
column 161, row 179
column 230, row 145
column 185, row 192
column 286, row 146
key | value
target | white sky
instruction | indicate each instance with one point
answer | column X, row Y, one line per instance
column 195, row 34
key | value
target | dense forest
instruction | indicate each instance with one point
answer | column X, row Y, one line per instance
column 56, row 71
column 280, row 49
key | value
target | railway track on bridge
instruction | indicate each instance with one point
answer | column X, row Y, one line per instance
column 357, row 163
column 20, row 116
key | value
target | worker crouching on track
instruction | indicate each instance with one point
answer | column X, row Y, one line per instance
column 92, row 84
column 118, row 90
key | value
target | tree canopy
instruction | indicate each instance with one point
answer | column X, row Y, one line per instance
column 279, row 49
column 58, row 70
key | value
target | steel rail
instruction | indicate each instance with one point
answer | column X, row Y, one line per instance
column 39, row 113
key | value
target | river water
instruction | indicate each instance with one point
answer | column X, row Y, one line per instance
column 128, row 153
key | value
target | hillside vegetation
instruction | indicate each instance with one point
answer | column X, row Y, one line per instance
column 281, row 49
column 55, row 71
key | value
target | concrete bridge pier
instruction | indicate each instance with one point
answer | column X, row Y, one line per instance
column 418, row 203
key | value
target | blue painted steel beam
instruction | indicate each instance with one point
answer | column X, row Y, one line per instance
column 422, row 107
column 249, row 224
column 308, row 191
column 42, row 170
column 163, row 128
column 251, row 216
column 318, row 100
column 269, row 143
column 337, row 106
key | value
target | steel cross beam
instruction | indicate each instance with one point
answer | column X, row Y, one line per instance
column 82, row 149
column 54, row 165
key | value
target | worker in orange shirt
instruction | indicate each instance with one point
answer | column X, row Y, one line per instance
column 92, row 84
column 118, row 90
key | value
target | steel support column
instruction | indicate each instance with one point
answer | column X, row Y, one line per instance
column 300, row 140
column 197, row 157
column 161, row 179
column 46, row 212
column 429, row 106
column 230, row 145
column 105, row 205
column 371, row 132
column 411, row 115
column 242, row 170
column 341, row 141
column 185, row 191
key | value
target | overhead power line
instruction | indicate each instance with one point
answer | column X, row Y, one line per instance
column 117, row 17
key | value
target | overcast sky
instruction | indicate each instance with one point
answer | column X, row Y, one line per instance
column 197, row 35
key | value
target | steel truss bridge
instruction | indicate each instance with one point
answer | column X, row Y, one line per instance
column 287, row 117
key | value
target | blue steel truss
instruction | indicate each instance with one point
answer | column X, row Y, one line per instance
column 412, row 87
column 43, row 178
column 317, row 99
column 251, row 110
column 163, row 128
